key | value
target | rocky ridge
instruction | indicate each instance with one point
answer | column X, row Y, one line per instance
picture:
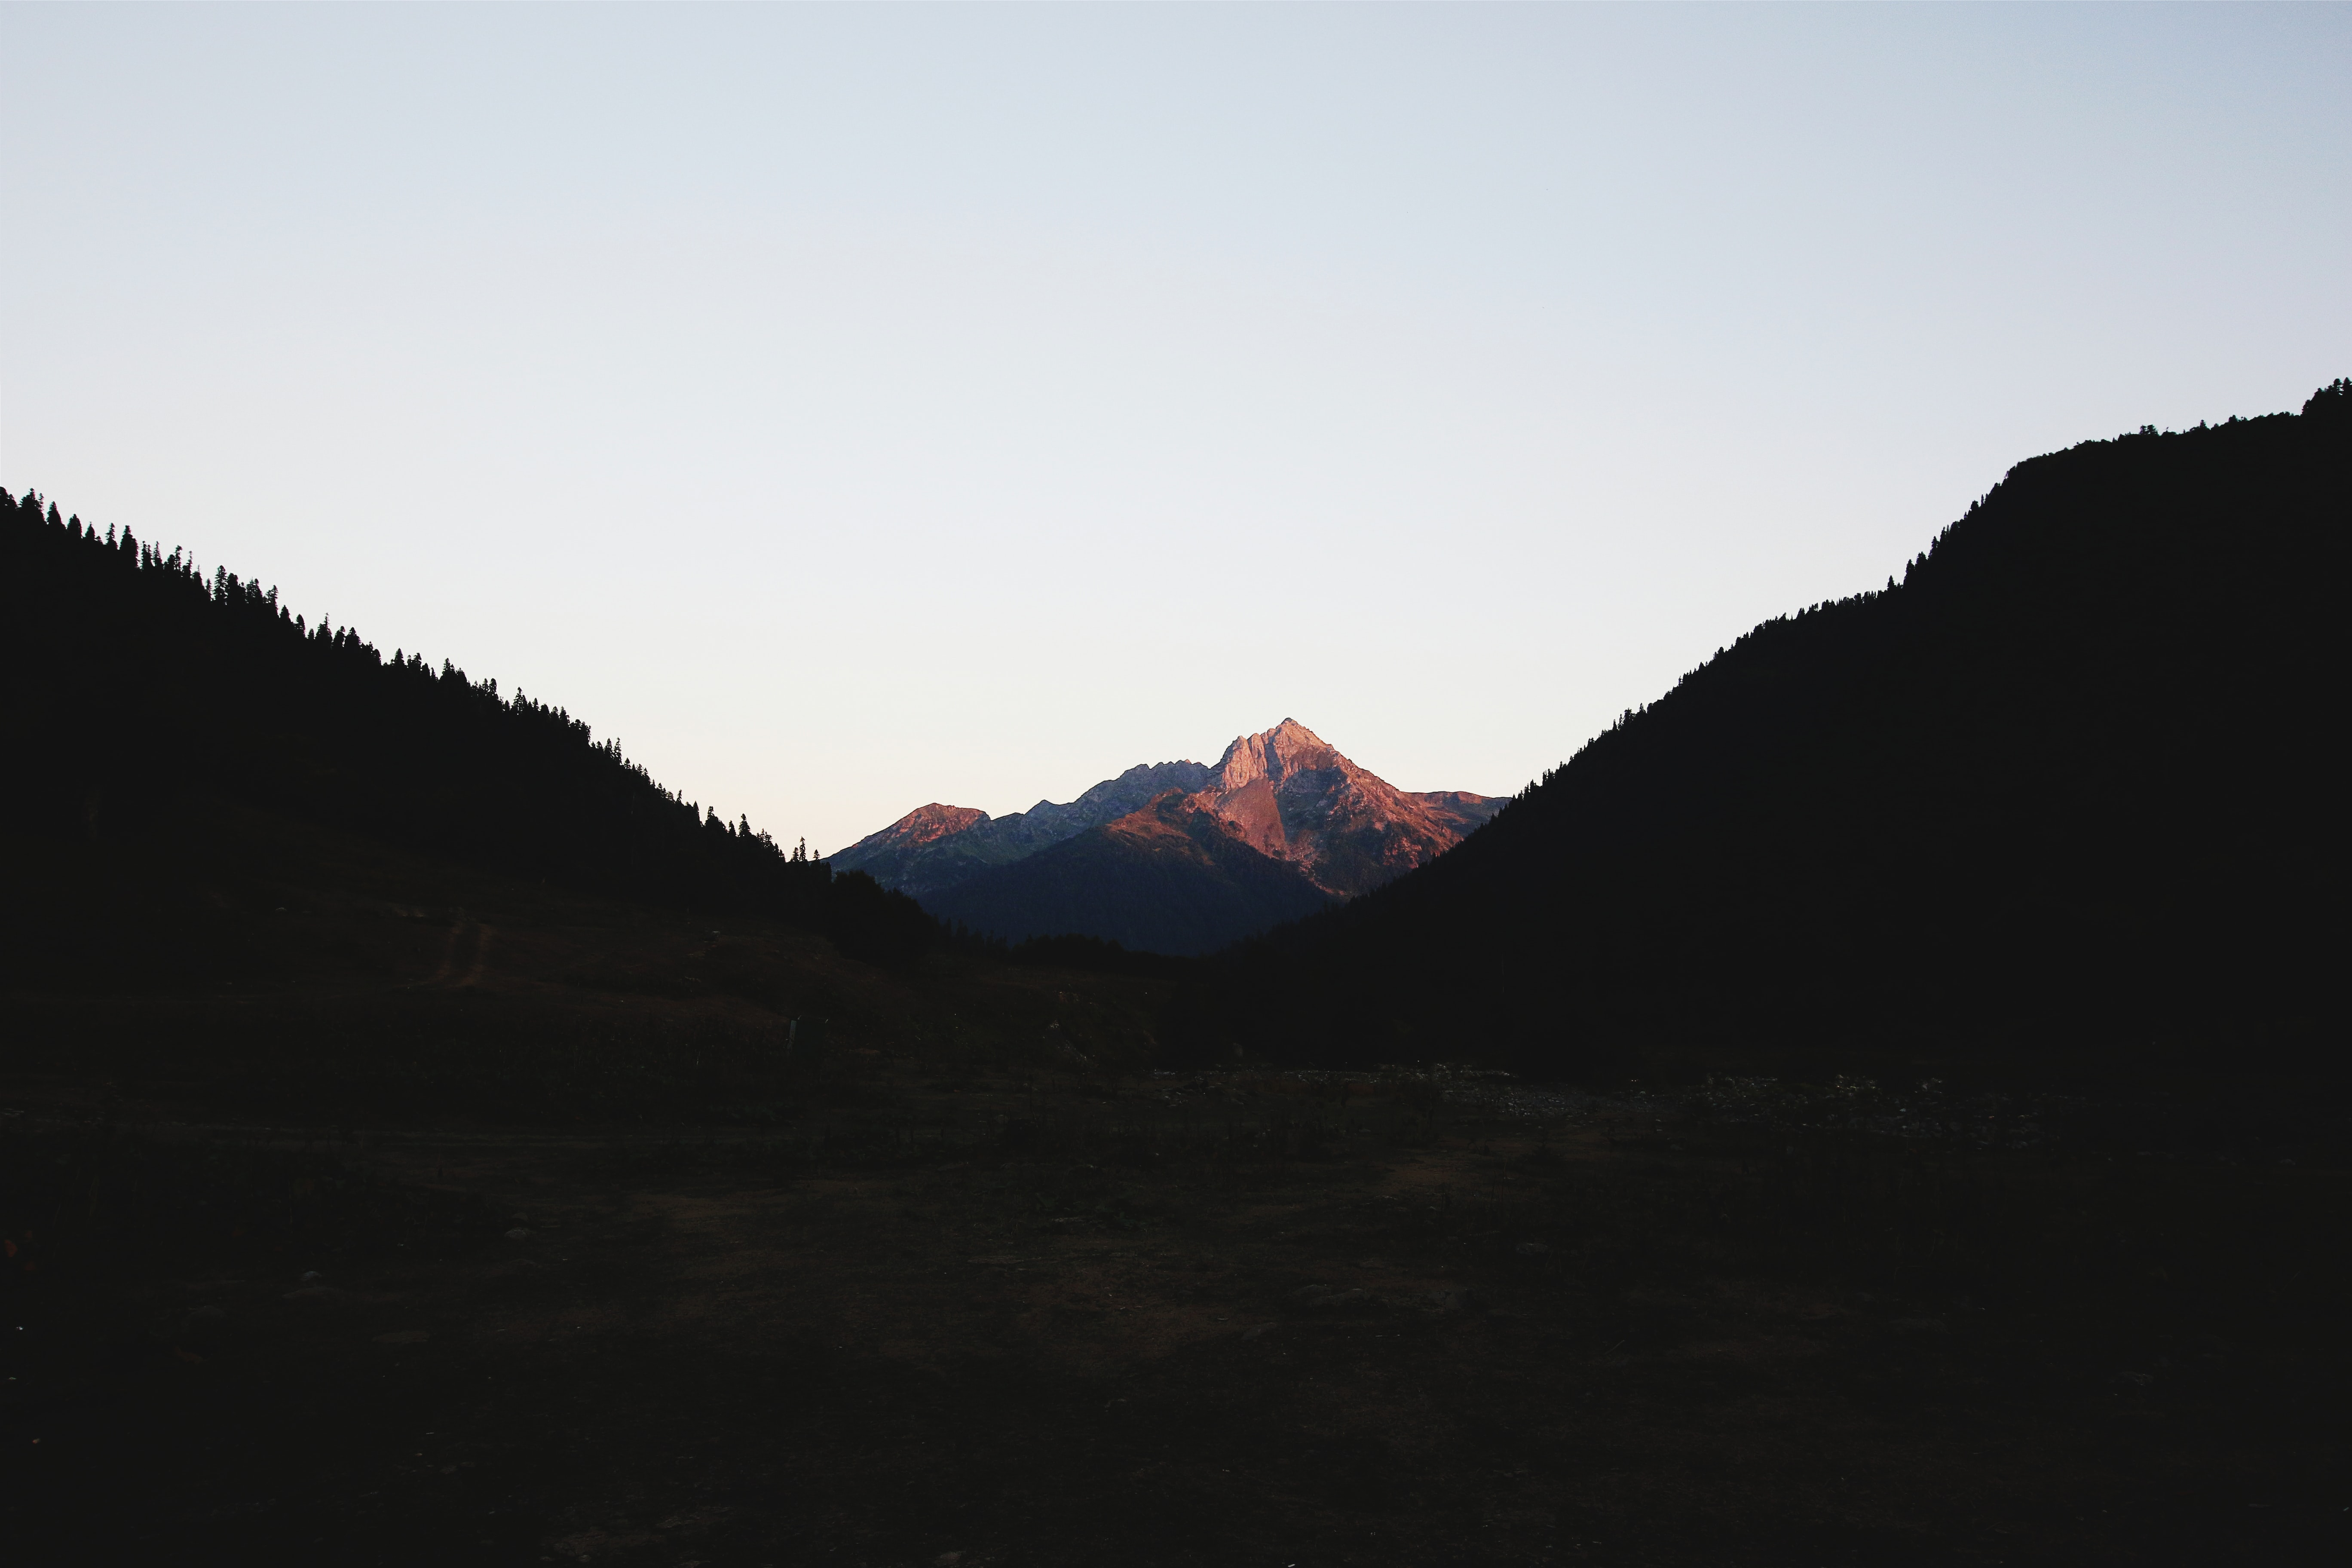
column 919, row 856
column 1284, row 793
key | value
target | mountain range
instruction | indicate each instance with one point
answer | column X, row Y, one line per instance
column 1179, row 857
column 2062, row 791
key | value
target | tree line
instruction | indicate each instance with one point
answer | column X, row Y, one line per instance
column 138, row 684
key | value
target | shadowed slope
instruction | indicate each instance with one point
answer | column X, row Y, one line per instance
column 2069, row 788
column 141, row 692
column 1172, row 877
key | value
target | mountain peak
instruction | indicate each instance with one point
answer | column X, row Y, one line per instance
column 1284, row 793
column 926, row 823
column 1290, row 747
column 1288, row 792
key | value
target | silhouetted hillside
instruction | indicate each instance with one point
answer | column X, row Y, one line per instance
column 138, row 689
column 1172, row 877
column 2070, row 788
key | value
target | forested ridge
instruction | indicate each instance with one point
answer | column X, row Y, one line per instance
column 2070, row 789
column 138, row 686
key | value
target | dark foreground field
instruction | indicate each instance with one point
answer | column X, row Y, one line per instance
column 364, row 1210
column 1052, row 1318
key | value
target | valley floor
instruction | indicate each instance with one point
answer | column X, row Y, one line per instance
column 1043, row 1321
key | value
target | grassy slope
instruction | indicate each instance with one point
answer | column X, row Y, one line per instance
column 269, row 964
column 1041, row 1318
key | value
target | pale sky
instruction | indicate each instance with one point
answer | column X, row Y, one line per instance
column 850, row 408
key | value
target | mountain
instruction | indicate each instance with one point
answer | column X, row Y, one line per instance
column 1325, row 827
column 1173, row 876
column 2066, row 793
column 933, row 848
column 1296, row 799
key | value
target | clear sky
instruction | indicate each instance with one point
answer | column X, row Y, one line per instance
column 855, row 407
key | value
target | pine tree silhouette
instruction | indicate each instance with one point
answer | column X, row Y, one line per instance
column 140, row 685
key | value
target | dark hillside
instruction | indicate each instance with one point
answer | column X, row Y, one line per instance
column 2069, row 788
column 142, row 698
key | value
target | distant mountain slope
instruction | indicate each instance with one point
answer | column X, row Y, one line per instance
column 1284, row 793
column 1172, row 878
column 936, row 847
column 2072, row 786
column 1459, row 812
column 900, row 856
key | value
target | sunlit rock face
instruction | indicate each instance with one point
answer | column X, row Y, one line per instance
column 1293, row 796
column 1284, row 793
column 926, row 823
